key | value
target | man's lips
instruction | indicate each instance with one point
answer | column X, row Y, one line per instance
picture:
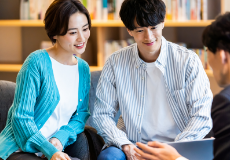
column 149, row 44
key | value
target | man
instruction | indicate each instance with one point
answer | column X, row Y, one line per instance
column 161, row 89
column 216, row 37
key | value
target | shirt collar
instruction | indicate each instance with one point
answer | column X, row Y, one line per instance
column 162, row 58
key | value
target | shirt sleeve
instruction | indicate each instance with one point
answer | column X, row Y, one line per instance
column 106, row 107
column 197, row 96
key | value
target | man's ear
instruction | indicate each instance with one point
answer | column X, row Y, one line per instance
column 224, row 56
column 54, row 37
column 130, row 33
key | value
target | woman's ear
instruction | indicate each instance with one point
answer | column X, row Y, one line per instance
column 54, row 37
column 163, row 25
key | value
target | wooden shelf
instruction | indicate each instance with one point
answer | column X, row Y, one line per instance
column 17, row 67
column 108, row 23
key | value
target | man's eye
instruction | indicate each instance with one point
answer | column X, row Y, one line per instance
column 154, row 27
column 139, row 30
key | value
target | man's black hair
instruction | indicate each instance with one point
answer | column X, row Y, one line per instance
column 217, row 35
column 145, row 12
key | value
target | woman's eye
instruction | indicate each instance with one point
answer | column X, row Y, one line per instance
column 73, row 33
column 85, row 29
column 139, row 30
column 154, row 27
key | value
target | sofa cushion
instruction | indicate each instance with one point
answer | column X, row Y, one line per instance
column 6, row 99
column 92, row 96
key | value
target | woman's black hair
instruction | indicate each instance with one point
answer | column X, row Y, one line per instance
column 217, row 35
column 145, row 12
column 58, row 14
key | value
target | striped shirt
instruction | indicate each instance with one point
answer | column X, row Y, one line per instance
column 122, row 85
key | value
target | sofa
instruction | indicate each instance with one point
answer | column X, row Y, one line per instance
column 90, row 142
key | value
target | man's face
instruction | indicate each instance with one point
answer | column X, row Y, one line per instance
column 220, row 66
column 148, row 39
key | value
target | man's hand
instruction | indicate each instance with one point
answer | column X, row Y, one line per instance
column 56, row 143
column 60, row 156
column 156, row 151
column 129, row 151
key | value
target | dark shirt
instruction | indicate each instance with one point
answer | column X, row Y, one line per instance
column 221, row 124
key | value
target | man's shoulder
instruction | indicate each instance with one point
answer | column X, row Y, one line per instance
column 178, row 49
column 35, row 60
column 181, row 54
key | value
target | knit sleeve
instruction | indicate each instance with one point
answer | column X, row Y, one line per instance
column 26, row 133
column 68, row 133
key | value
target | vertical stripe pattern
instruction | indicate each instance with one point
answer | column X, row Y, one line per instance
column 122, row 86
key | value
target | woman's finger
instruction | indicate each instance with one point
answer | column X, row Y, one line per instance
column 67, row 157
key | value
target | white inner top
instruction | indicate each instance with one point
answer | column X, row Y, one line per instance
column 158, row 123
column 67, row 81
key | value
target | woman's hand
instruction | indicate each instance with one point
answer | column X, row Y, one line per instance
column 56, row 143
column 129, row 151
column 60, row 156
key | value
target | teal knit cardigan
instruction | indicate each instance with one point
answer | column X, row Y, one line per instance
column 36, row 97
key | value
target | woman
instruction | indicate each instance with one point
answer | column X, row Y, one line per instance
column 50, row 106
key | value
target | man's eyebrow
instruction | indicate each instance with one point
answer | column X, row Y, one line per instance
column 77, row 28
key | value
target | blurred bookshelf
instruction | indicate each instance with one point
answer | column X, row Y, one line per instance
column 105, row 23
column 17, row 67
column 21, row 37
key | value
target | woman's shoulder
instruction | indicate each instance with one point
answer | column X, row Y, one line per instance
column 35, row 59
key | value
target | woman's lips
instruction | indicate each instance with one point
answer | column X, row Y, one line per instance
column 80, row 47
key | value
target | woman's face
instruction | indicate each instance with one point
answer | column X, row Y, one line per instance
column 75, row 40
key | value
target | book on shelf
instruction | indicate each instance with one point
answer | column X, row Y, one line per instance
column 181, row 10
column 33, row 9
column 225, row 6
column 98, row 9
column 112, row 46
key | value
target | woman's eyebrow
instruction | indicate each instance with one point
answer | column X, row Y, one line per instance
column 77, row 28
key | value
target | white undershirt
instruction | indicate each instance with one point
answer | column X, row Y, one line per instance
column 67, row 80
column 158, row 123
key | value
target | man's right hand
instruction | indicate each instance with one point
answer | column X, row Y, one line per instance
column 129, row 151
column 60, row 156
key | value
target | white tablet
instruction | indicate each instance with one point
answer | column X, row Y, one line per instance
column 195, row 150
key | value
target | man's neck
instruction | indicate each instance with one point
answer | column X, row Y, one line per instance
column 150, row 56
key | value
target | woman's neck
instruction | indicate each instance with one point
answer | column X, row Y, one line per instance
column 61, row 55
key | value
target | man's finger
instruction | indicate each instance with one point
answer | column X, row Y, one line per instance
column 144, row 155
column 156, row 144
column 144, row 147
